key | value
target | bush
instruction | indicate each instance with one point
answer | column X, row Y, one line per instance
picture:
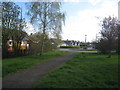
column 105, row 46
column 69, row 46
column 35, row 48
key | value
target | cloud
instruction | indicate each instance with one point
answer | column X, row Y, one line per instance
column 86, row 23
column 79, row 27
column 29, row 29
column 108, row 8
column 94, row 2
column 71, row 0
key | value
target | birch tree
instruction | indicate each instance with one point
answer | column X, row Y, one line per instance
column 47, row 16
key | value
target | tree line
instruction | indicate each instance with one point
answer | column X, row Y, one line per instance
column 12, row 25
column 46, row 16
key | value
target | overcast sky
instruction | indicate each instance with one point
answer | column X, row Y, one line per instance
column 82, row 17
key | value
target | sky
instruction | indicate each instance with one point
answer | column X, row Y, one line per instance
column 82, row 18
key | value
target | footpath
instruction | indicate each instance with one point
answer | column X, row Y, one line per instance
column 28, row 77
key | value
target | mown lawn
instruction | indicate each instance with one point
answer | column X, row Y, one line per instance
column 15, row 64
column 85, row 70
column 88, row 49
column 84, row 49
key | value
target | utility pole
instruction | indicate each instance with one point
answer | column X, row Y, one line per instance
column 85, row 38
column 85, row 41
column 96, row 38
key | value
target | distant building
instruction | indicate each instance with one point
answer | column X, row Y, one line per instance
column 70, row 43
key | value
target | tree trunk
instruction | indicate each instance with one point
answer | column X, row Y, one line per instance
column 110, row 48
column 44, row 29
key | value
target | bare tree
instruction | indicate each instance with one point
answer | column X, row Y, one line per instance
column 109, row 34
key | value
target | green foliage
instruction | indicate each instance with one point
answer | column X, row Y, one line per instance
column 35, row 46
column 12, row 25
column 48, row 17
column 7, row 34
column 69, row 46
column 13, row 34
column 47, row 14
column 13, row 65
column 86, row 70
column 49, row 46
column 11, row 16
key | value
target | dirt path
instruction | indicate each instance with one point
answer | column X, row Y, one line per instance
column 28, row 77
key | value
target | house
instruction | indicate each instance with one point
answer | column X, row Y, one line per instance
column 70, row 43
column 22, row 45
column 65, row 42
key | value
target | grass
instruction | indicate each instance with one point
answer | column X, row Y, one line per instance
column 69, row 46
column 0, row 67
column 15, row 64
column 85, row 70
column 83, row 49
column 88, row 49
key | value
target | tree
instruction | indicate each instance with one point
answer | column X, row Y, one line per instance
column 48, row 17
column 118, row 39
column 12, row 24
column 109, row 35
column 36, row 38
column 12, row 16
column 12, row 20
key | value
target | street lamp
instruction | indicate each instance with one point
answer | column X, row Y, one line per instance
column 85, row 42
column 85, row 38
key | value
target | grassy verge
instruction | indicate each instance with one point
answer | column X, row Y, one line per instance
column 84, row 71
column 69, row 46
column 80, row 49
column 15, row 64
column 83, row 49
column 88, row 49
